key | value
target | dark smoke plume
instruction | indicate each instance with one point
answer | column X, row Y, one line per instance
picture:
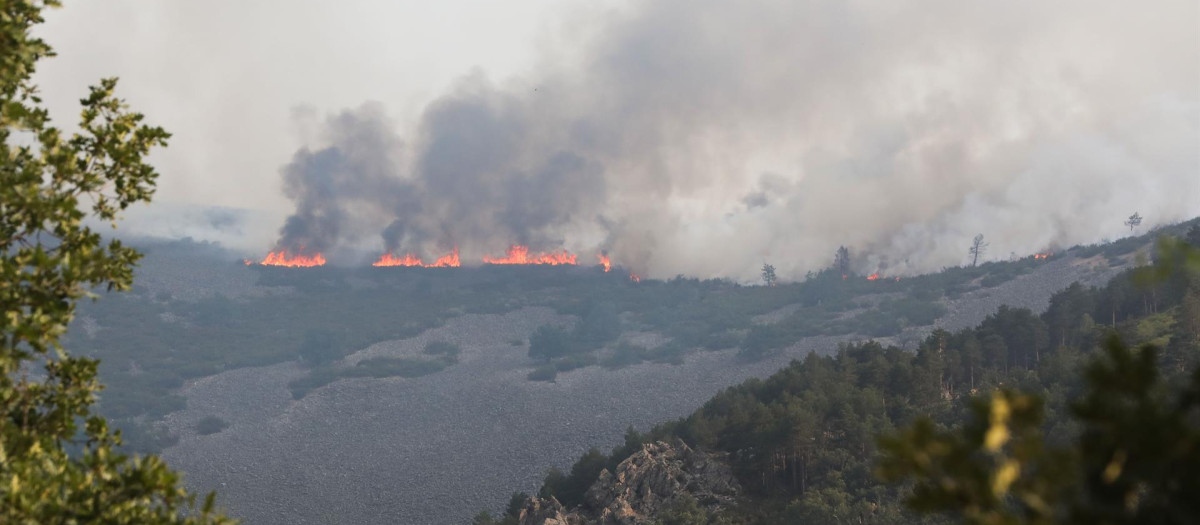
column 704, row 136
column 343, row 189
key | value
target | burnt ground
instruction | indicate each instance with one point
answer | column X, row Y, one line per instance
column 437, row 449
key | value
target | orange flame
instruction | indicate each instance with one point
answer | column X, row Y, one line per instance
column 446, row 261
column 1043, row 255
column 281, row 258
column 390, row 260
column 605, row 262
column 873, row 277
column 518, row 254
column 635, row 277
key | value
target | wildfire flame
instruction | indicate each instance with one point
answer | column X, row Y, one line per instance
column 873, row 277
column 391, row 260
column 605, row 262
column 281, row 258
column 635, row 278
column 449, row 260
column 446, row 261
column 518, row 254
column 1043, row 255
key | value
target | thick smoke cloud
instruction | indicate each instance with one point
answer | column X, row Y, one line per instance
column 703, row 137
column 484, row 187
column 472, row 183
column 342, row 189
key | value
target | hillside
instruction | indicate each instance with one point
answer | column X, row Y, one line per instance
column 803, row 442
column 237, row 372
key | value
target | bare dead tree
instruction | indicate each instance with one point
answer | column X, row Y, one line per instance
column 978, row 247
column 841, row 260
column 1134, row 221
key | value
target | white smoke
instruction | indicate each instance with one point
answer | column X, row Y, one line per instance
column 703, row 137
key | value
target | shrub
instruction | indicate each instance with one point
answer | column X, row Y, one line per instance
column 994, row 279
column 373, row 367
column 571, row 362
column 570, row 489
column 319, row 347
column 670, row 353
column 210, row 425
column 723, row 340
column 763, row 338
column 543, row 373
column 316, row 378
column 876, row 323
column 548, row 342
column 376, row 367
column 599, row 326
column 395, row 366
column 915, row 312
column 442, row 348
column 625, row 354
column 515, row 504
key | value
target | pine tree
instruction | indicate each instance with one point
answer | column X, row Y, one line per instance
column 978, row 248
column 768, row 274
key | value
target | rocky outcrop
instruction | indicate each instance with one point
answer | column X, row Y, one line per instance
column 644, row 485
column 548, row 512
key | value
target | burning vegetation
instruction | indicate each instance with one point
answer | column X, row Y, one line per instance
column 297, row 260
column 518, row 254
column 446, row 261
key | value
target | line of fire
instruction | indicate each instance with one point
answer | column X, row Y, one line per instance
column 516, row 255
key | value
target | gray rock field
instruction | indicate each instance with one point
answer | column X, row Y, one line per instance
column 1032, row 290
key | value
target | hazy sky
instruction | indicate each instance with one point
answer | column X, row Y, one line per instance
column 227, row 76
column 683, row 136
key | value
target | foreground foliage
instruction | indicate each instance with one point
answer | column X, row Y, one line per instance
column 1136, row 458
column 59, row 461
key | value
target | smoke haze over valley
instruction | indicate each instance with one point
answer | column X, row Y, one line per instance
column 669, row 132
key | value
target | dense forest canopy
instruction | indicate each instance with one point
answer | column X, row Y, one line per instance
column 805, row 440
